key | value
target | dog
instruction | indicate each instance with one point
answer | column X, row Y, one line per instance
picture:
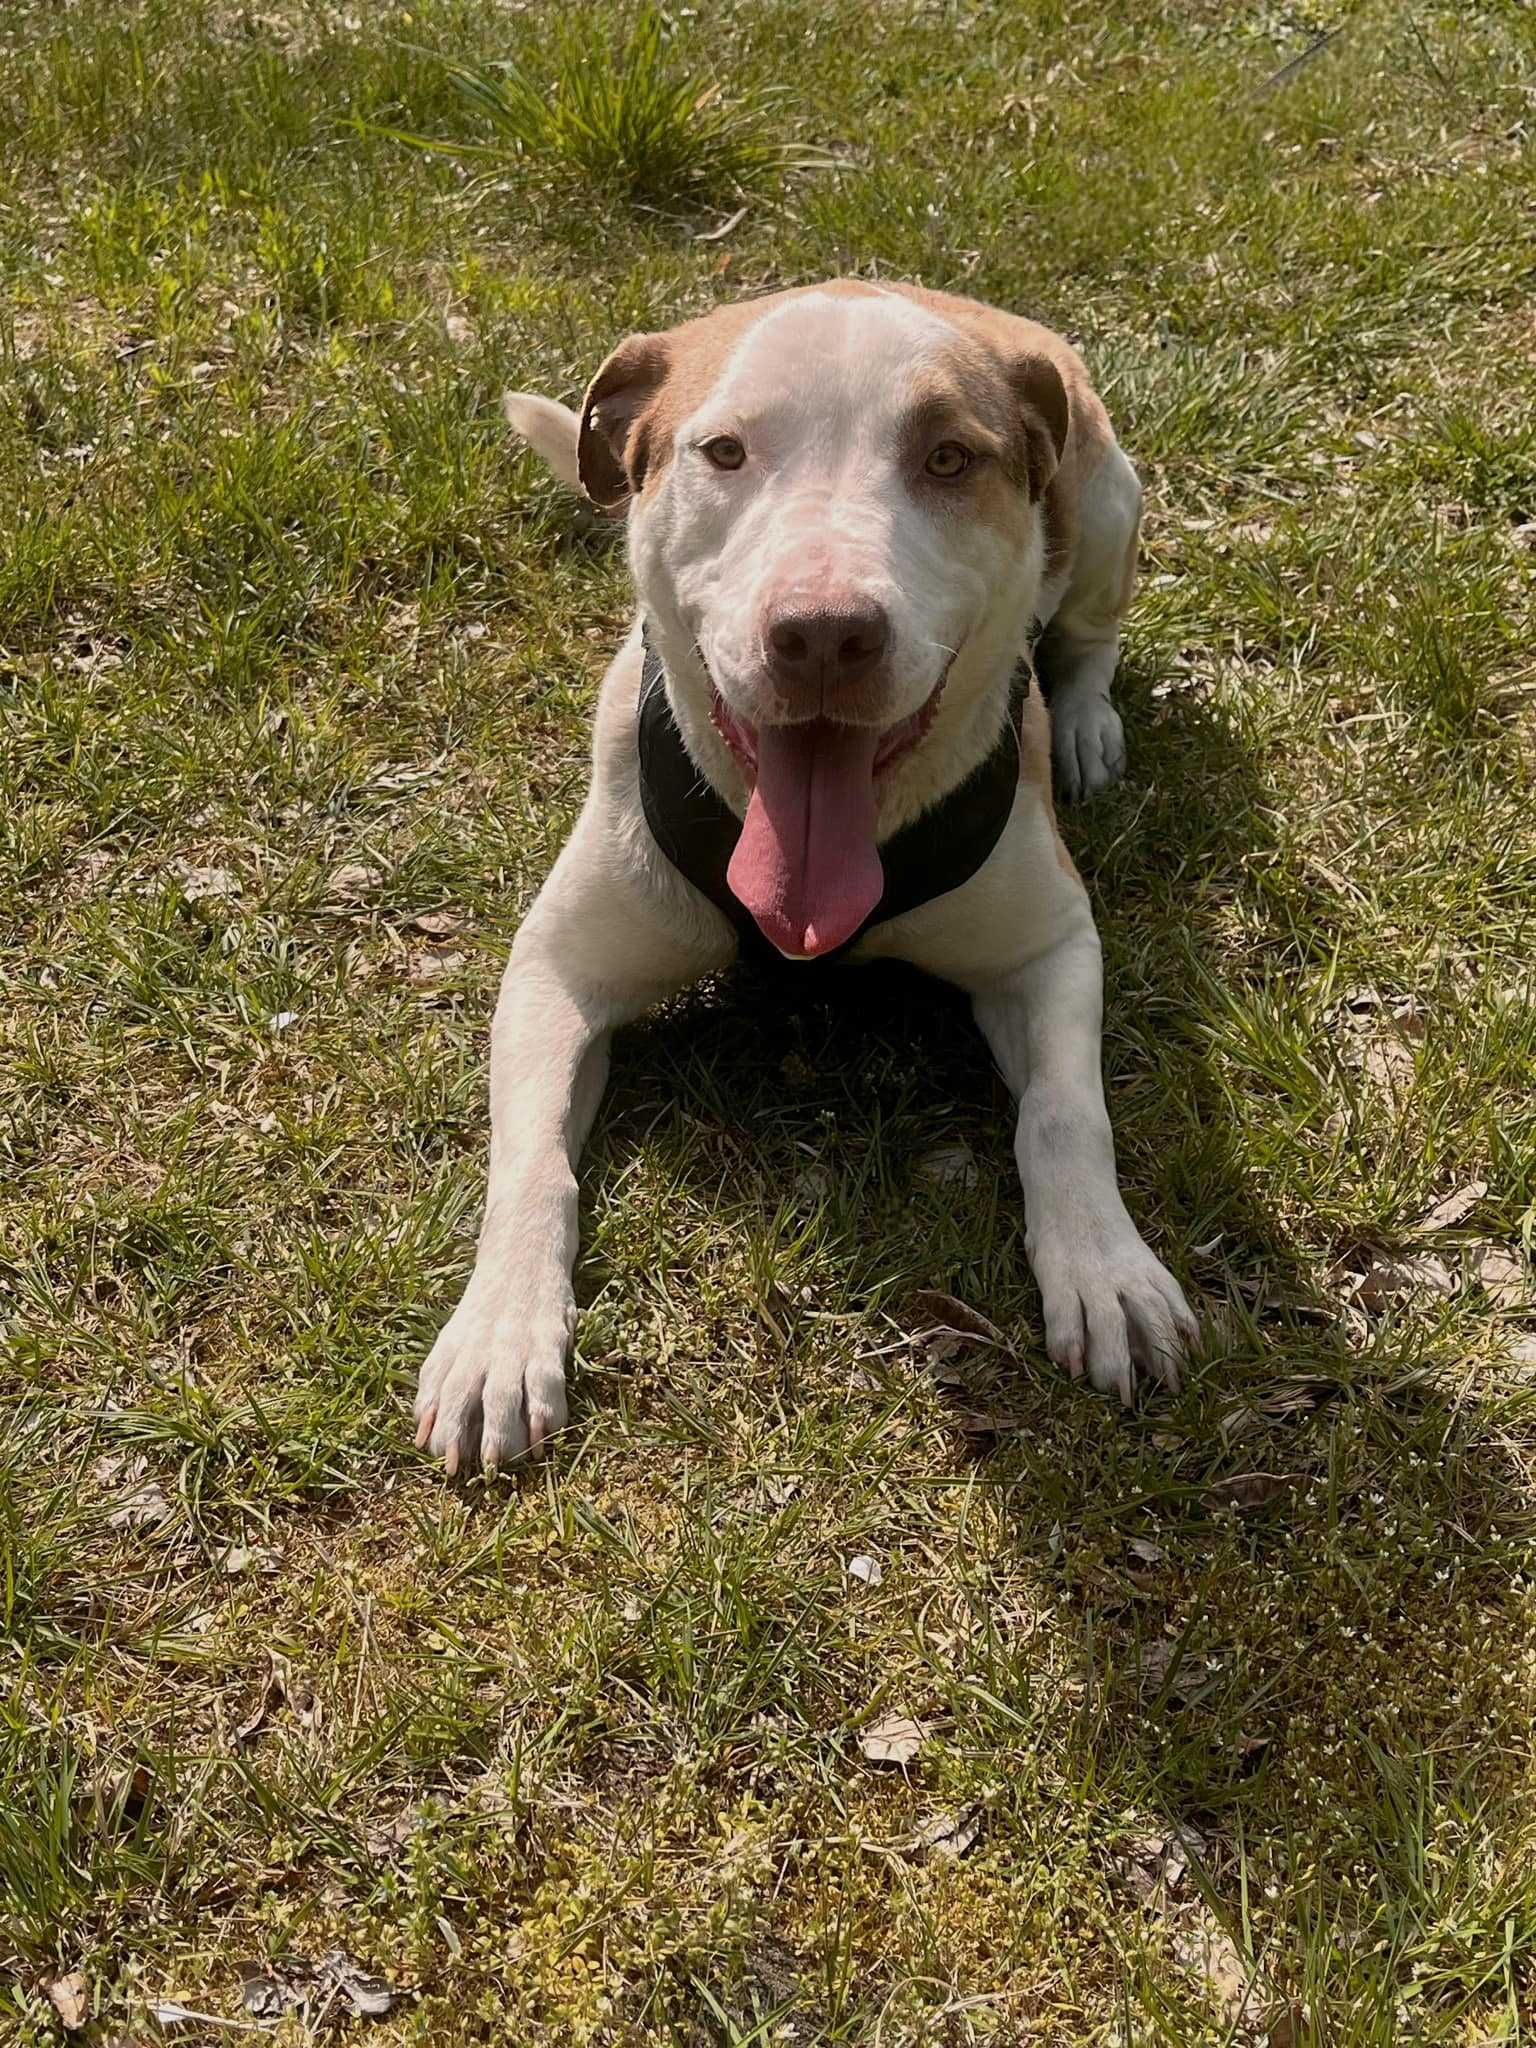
column 851, row 508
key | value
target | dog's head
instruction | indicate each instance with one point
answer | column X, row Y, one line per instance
column 834, row 518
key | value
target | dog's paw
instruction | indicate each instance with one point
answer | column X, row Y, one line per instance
column 1111, row 1308
column 1087, row 742
column 493, row 1387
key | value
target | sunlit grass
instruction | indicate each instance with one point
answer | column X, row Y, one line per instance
column 297, row 658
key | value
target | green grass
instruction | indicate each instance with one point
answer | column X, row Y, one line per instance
column 295, row 649
column 614, row 113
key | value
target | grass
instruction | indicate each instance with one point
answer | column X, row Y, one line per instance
column 296, row 659
column 615, row 114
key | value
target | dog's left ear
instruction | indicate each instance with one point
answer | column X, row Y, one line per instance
column 613, row 446
column 1042, row 396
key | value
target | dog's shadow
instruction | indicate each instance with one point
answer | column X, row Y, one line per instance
column 862, row 1107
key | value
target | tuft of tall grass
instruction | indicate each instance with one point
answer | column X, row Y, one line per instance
column 618, row 114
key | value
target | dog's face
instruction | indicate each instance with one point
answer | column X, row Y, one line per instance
column 834, row 525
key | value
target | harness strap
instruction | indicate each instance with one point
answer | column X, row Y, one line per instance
column 697, row 830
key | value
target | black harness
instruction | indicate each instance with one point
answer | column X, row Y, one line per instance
column 697, row 830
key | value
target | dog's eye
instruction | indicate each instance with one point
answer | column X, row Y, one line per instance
column 948, row 460
column 725, row 451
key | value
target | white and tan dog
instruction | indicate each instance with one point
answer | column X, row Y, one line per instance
column 849, row 507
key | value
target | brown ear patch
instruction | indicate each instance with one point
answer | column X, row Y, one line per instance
column 613, row 448
column 1042, row 396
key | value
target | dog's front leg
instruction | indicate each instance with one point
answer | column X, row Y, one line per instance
column 590, row 956
column 1110, row 1306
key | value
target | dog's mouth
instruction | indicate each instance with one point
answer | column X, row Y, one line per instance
column 807, row 864
column 895, row 740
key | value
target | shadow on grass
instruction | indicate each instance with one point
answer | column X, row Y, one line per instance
column 1289, row 1680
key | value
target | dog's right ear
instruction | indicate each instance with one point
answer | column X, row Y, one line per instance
column 613, row 448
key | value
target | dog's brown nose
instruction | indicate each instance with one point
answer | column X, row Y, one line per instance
column 823, row 645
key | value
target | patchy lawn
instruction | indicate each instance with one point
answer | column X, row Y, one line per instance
column 296, row 660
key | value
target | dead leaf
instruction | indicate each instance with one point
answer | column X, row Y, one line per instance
column 240, row 1558
column 1154, row 1661
column 1453, row 1208
column 1286, row 2025
column 433, row 966
column 944, row 1315
column 352, row 881
column 1387, row 1281
column 437, row 924
column 868, row 1570
column 369, row 1996
column 1249, row 1489
column 1146, row 1550
column 459, row 331
column 115, row 1799
column 951, row 1835
column 267, row 1998
column 293, row 1983
column 1155, row 1864
column 894, row 1739
column 1503, row 1276
column 140, row 1510
column 141, row 1502
column 1296, row 1397
column 1389, row 1063
column 71, row 1999
column 200, row 885
column 382, row 1842
column 952, row 1165
column 1206, row 1947
column 280, row 1689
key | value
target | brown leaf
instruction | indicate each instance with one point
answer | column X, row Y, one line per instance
column 1389, row 1063
column 1155, row 1864
column 1285, row 2026
column 71, row 1999
column 942, row 1313
column 437, row 924
column 1453, row 1208
column 951, row 1835
column 952, row 1165
column 1249, row 1489
column 141, row 1502
column 894, row 1739
column 239, row 1558
column 293, row 1983
column 1387, row 1282
column 1503, row 1276
column 280, row 1689
column 205, row 885
column 1208, row 1948
column 1296, row 1397
column 115, row 1799
column 433, row 966
column 352, row 881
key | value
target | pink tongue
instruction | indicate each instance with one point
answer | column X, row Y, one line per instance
column 806, row 864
